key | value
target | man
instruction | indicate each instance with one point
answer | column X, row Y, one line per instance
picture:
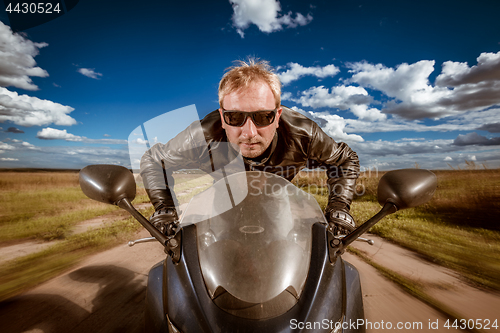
column 269, row 136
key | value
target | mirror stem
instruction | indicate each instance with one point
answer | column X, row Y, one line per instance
column 125, row 204
column 388, row 208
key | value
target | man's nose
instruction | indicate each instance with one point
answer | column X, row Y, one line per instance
column 249, row 130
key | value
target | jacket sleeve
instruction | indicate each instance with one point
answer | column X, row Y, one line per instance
column 159, row 162
column 342, row 168
column 156, row 178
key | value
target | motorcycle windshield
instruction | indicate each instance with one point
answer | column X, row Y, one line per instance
column 261, row 245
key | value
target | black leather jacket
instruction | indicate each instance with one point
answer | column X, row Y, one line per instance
column 299, row 143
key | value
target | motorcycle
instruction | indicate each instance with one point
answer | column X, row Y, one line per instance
column 254, row 253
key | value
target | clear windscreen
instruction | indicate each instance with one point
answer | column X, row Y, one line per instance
column 254, row 235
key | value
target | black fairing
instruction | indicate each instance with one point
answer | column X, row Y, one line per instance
column 354, row 304
column 191, row 309
column 155, row 320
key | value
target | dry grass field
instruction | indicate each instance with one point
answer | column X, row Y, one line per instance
column 458, row 228
column 45, row 207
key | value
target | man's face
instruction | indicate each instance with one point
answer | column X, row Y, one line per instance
column 251, row 140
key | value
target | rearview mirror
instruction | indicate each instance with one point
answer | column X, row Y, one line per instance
column 406, row 188
column 107, row 183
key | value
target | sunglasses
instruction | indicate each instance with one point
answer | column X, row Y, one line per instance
column 238, row 118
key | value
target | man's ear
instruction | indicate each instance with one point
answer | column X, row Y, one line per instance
column 278, row 115
column 222, row 119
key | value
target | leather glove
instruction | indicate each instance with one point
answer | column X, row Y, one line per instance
column 164, row 219
column 339, row 220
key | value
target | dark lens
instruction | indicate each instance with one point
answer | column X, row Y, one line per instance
column 263, row 118
column 234, row 118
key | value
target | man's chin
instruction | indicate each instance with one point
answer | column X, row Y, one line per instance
column 251, row 152
column 251, row 155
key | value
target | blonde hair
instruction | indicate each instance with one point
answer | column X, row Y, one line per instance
column 244, row 73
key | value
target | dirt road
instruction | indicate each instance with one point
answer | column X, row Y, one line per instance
column 105, row 293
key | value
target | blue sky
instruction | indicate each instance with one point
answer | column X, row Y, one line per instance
column 401, row 82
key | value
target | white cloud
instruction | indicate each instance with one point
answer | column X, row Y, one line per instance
column 16, row 145
column 457, row 89
column 17, row 64
column 400, row 154
column 8, row 159
column 25, row 110
column 5, row 146
column 55, row 134
column 89, row 72
column 90, row 155
column 367, row 113
column 467, row 121
column 403, row 153
column 28, row 145
column 353, row 98
column 412, row 139
column 454, row 74
column 331, row 124
column 287, row 96
column 384, row 148
column 24, row 154
column 17, row 61
column 334, row 127
column 463, row 97
column 69, row 157
column 141, row 141
column 400, row 83
column 408, row 86
column 297, row 71
column 340, row 97
column 265, row 15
